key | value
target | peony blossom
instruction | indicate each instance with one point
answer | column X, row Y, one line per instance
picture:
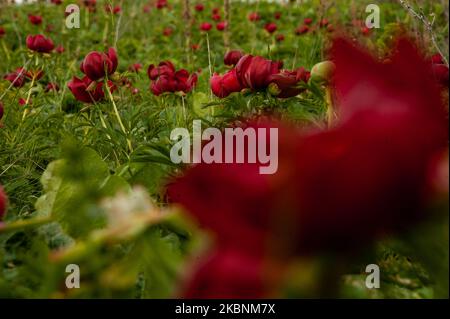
column 97, row 65
column 40, row 43
column 224, row 85
column 254, row 72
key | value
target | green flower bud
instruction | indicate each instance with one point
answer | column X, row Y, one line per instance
column 323, row 72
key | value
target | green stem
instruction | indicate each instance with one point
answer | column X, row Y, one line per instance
column 6, row 50
column 116, row 111
column 25, row 112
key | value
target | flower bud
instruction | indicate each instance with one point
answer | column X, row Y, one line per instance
column 323, row 72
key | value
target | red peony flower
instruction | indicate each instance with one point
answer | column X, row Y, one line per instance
column 17, row 78
column 2, row 32
column 97, row 65
column 270, row 27
column 277, row 15
column 216, row 17
column 280, row 38
column 254, row 16
column 166, row 80
column 437, row 59
column 323, row 23
column 85, row 90
column 161, row 4
column 146, row 8
column 440, row 70
column 285, row 84
column 60, row 49
column 3, row 200
column 205, row 26
column 40, row 43
column 224, row 85
column 254, row 72
column 302, row 30
column 114, row 10
column 165, row 68
column 365, row 31
column 136, row 67
column 35, row 19
column 221, row 26
column 307, row 21
column 57, row 2
column 167, row 31
column 199, row 7
column 232, row 57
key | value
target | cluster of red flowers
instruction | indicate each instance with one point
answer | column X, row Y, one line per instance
column 215, row 16
column 113, row 9
column 96, row 66
column 257, row 73
column 335, row 189
column 91, row 5
column 165, row 79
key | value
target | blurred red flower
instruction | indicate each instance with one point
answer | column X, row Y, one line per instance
column 302, row 30
column 280, row 38
column 365, row 31
column 227, row 274
column 335, row 189
column 277, row 15
column 270, row 27
column 221, row 26
column 205, row 26
column 323, row 23
column 440, row 69
column 161, row 4
column 167, row 31
column 231, row 58
column 40, row 43
column 199, row 7
column 97, row 65
column 254, row 16
column 216, row 17
column 35, row 19
column 135, row 67
column 60, row 49
column 2, row 32
column 307, row 21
